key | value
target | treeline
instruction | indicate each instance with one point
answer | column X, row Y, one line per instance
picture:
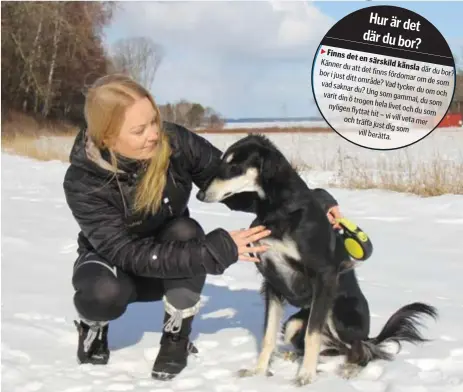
column 192, row 115
column 52, row 51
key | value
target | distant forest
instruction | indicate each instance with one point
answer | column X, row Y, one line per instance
column 52, row 51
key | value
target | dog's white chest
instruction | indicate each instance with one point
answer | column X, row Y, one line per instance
column 285, row 248
column 278, row 254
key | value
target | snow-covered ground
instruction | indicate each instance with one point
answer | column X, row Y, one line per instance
column 278, row 124
column 418, row 257
column 329, row 152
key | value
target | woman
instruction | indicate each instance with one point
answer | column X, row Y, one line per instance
column 128, row 186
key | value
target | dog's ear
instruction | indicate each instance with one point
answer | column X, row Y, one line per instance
column 272, row 165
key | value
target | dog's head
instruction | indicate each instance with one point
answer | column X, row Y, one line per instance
column 245, row 166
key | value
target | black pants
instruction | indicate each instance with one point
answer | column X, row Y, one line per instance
column 104, row 291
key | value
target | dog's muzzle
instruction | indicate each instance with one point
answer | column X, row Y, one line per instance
column 211, row 197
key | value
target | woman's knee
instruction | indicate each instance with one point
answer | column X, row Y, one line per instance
column 101, row 299
column 184, row 293
column 182, row 229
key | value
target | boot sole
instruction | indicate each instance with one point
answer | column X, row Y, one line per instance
column 162, row 376
column 94, row 361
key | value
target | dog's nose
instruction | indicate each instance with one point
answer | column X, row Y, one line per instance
column 201, row 195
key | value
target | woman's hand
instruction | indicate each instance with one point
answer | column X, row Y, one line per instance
column 244, row 237
column 333, row 214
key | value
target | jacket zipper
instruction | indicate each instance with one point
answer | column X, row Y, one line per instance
column 173, row 179
column 167, row 203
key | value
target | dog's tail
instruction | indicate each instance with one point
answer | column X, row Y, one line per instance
column 402, row 326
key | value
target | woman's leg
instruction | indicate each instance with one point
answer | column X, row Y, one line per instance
column 181, row 304
column 102, row 293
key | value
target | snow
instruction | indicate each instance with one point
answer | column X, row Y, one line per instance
column 278, row 124
column 418, row 257
column 327, row 153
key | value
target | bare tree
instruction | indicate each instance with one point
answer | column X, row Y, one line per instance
column 138, row 57
column 48, row 48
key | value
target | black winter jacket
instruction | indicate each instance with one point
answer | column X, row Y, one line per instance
column 101, row 201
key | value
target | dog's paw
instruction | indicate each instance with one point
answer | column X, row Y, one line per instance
column 304, row 378
column 253, row 372
column 349, row 370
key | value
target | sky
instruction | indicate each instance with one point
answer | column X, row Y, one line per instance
column 250, row 58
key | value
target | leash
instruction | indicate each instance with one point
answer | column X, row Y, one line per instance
column 356, row 241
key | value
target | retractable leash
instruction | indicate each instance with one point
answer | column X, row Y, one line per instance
column 356, row 241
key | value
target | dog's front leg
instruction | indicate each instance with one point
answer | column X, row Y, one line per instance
column 273, row 317
column 322, row 302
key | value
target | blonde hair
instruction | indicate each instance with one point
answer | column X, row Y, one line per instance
column 105, row 105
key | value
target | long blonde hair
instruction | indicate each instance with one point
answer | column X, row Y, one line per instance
column 105, row 105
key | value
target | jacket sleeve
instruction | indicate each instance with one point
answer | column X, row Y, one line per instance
column 324, row 198
column 204, row 160
column 104, row 227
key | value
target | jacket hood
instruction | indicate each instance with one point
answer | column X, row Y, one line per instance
column 86, row 155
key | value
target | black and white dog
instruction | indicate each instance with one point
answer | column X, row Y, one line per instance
column 306, row 266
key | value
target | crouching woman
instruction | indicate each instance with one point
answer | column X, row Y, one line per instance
column 128, row 186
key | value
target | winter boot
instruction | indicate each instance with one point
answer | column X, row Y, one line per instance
column 175, row 347
column 93, row 342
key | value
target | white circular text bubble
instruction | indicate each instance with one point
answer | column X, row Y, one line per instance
column 383, row 77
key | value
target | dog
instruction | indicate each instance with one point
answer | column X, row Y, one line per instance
column 306, row 266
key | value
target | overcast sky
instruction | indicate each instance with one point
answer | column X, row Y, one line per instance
column 245, row 58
